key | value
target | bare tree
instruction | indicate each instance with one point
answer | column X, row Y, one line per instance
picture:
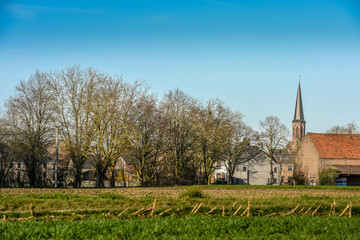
column 351, row 128
column 73, row 90
column 238, row 149
column 213, row 129
column 273, row 135
column 179, row 113
column 146, row 151
column 6, row 159
column 31, row 111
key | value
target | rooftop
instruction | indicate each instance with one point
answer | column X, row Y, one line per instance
column 336, row 145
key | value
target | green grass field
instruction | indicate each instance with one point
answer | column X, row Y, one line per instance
column 275, row 212
column 196, row 227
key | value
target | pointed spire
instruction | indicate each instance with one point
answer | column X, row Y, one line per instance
column 299, row 113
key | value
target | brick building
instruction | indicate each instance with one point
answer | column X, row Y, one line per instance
column 320, row 151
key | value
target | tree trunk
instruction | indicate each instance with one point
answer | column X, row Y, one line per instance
column 230, row 179
column 78, row 176
column 112, row 177
column 271, row 172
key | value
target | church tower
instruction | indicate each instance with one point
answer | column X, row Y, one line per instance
column 298, row 124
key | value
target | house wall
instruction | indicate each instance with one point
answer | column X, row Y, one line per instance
column 287, row 173
column 330, row 162
column 308, row 161
column 259, row 172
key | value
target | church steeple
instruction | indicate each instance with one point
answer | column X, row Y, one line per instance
column 298, row 124
column 299, row 112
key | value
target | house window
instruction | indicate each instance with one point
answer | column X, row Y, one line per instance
column 282, row 180
column 275, row 169
column 218, row 166
column 244, row 169
column 275, row 181
column 282, row 168
column 297, row 131
column 290, row 168
column 290, row 180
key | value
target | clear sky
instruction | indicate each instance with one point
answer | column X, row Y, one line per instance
column 249, row 53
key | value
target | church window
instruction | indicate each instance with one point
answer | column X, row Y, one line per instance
column 297, row 131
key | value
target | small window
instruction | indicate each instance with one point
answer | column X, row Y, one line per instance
column 244, row 169
column 269, row 181
column 275, row 169
column 290, row 168
column 282, row 180
column 290, row 180
column 275, row 181
column 282, row 168
column 218, row 166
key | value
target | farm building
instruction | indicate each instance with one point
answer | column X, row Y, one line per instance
column 319, row 151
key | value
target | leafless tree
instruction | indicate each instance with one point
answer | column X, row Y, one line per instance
column 73, row 90
column 6, row 159
column 351, row 128
column 273, row 135
column 30, row 112
column 147, row 147
column 179, row 111
column 240, row 147
column 213, row 129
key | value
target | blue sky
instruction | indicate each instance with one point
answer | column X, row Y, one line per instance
column 247, row 53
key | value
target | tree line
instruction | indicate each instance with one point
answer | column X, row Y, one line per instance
column 102, row 119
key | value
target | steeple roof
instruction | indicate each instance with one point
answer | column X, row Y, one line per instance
column 299, row 113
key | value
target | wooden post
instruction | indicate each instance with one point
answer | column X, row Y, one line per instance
column 237, row 210
column 197, row 208
column 331, row 207
column 301, row 210
column 248, row 213
column 153, row 208
column 177, row 211
column 32, row 211
column 194, row 208
column 163, row 212
column 316, row 210
column 137, row 211
column 123, row 212
column 291, row 211
column 344, row 210
column 350, row 209
column 211, row 210
column 232, row 207
column 223, row 210
column 307, row 211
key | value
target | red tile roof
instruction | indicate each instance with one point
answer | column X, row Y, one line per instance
column 336, row 145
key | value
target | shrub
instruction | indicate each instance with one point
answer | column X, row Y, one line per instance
column 299, row 178
column 193, row 192
column 328, row 176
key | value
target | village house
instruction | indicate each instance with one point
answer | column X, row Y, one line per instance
column 319, row 151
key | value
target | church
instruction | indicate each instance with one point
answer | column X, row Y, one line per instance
column 316, row 152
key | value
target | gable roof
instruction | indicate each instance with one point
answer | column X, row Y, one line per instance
column 336, row 145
